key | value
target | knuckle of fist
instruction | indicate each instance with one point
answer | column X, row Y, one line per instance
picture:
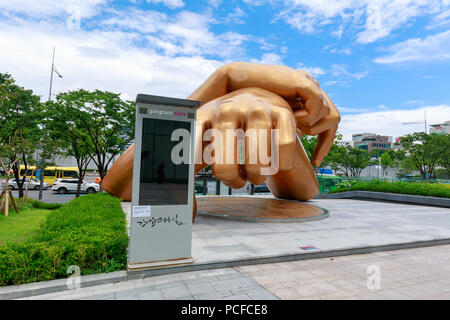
column 226, row 111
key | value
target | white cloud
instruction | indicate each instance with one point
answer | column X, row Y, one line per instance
column 107, row 60
column 235, row 16
column 268, row 58
column 172, row 4
column 185, row 33
column 338, row 70
column 431, row 48
column 342, row 77
column 389, row 122
column 215, row 3
column 377, row 19
column 351, row 110
column 130, row 51
column 314, row 71
column 47, row 8
column 346, row 51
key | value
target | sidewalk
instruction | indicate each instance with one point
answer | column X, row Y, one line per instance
column 352, row 224
column 422, row 273
column 354, row 227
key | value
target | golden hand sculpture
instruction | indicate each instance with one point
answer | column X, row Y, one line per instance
column 253, row 96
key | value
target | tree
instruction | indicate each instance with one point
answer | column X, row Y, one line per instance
column 71, row 137
column 444, row 159
column 309, row 144
column 398, row 160
column 426, row 151
column 107, row 123
column 386, row 161
column 20, row 111
column 350, row 160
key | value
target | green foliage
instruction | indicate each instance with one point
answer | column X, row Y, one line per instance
column 349, row 159
column 426, row 151
column 346, row 184
column 21, row 226
column 44, row 205
column 100, row 123
column 386, row 160
column 88, row 232
column 31, row 203
column 414, row 188
column 20, row 112
column 310, row 142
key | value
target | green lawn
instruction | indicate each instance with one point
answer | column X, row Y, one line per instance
column 41, row 241
column 20, row 226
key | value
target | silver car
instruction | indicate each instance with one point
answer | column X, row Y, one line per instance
column 63, row 186
column 33, row 184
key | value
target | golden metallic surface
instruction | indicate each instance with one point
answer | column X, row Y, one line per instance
column 257, row 209
column 253, row 96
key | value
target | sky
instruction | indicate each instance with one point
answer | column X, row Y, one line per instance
column 382, row 62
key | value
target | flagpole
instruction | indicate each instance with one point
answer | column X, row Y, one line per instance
column 51, row 75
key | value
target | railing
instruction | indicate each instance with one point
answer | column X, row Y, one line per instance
column 206, row 184
column 329, row 183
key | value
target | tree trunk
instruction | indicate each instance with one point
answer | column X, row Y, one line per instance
column 79, row 186
column 18, row 181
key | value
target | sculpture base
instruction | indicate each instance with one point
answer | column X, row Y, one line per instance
column 255, row 209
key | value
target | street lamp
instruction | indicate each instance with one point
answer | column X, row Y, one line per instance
column 53, row 70
column 424, row 121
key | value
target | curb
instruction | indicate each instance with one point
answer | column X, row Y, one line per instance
column 389, row 197
column 45, row 287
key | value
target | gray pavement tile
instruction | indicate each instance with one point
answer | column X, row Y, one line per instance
column 262, row 295
column 244, row 282
column 151, row 295
column 127, row 295
column 238, row 297
column 175, row 292
column 221, row 285
column 106, row 296
column 200, row 288
column 213, row 295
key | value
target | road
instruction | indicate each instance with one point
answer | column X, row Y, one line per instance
column 48, row 196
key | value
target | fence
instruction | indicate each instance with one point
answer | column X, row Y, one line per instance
column 329, row 183
column 209, row 185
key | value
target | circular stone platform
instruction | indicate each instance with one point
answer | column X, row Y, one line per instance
column 256, row 209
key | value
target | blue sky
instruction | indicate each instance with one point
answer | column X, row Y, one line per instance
column 381, row 62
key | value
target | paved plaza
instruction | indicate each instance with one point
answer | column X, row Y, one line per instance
column 351, row 224
column 233, row 258
column 419, row 273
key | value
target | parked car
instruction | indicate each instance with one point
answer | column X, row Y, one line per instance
column 199, row 187
column 33, row 184
column 262, row 188
column 63, row 186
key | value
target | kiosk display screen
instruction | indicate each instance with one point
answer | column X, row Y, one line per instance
column 161, row 181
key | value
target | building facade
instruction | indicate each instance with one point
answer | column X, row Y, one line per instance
column 371, row 141
column 440, row 128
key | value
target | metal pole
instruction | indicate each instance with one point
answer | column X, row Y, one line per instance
column 41, row 182
column 425, row 120
column 51, row 76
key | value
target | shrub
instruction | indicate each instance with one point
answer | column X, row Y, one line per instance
column 31, row 203
column 413, row 188
column 89, row 232
column 43, row 205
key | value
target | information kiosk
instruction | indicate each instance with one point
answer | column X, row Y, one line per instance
column 163, row 182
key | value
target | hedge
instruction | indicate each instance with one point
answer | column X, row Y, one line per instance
column 413, row 188
column 89, row 232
